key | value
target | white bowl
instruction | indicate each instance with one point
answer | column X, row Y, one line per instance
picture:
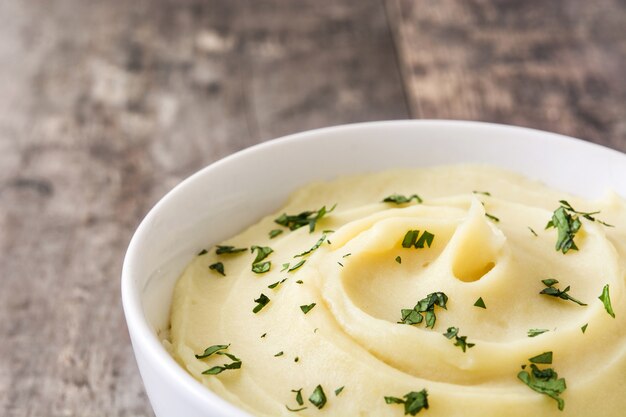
column 223, row 198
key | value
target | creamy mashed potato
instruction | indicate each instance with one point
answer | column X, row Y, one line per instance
column 486, row 246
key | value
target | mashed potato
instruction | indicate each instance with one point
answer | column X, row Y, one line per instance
column 450, row 299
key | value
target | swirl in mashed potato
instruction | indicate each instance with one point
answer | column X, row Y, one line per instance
column 489, row 243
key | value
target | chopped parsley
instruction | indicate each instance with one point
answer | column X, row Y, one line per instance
column 203, row 252
column 427, row 306
column 317, row 245
column 262, row 301
column 532, row 231
column 306, row 308
column 544, row 381
column 276, row 284
column 346, row 255
column 285, row 267
column 606, row 300
column 480, row 303
column 338, row 391
column 281, row 353
column 460, row 341
column 340, row 264
column 211, row 350
column 296, row 359
column 318, row 398
column 220, row 250
column 298, row 393
column 400, row 199
column 304, row 218
column 544, row 358
column 555, row 292
column 536, row 332
column 296, row 266
column 294, row 410
column 299, row 281
column 413, row 402
column 219, row 267
column 567, row 222
column 263, row 335
column 235, row 364
column 584, row 328
column 411, row 239
column 262, row 252
column 261, row 267
column 274, row 233
column 398, row 259
column 487, row 193
column 492, row 217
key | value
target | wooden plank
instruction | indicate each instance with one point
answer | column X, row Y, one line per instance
column 552, row 65
column 104, row 106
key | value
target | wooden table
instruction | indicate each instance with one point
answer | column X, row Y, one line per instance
column 107, row 104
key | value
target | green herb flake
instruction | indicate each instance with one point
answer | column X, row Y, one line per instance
column 306, row 308
column 340, row 264
column 492, row 217
column 294, row 410
column 487, row 193
column 235, row 364
column 221, row 250
column 460, row 341
column 413, row 238
column 555, row 292
column 424, row 306
column 211, row 350
column 218, row 267
column 262, row 252
column 296, row 266
column 606, row 300
column 544, row 358
column 261, row 267
column 338, row 391
column 281, row 353
column 263, row 335
column 313, row 248
column 400, row 199
column 532, row 231
column 536, row 332
column 298, row 393
column 413, row 402
column 296, row 359
column 584, row 328
column 285, row 267
column 480, row 303
column 398, row 259
column 544, row 381
column 299, row 281
column 262, row 301
column 318, row 398
column 203, row 252
column 274, row 233
column 567, row 222
column 304, row 218
column 276, row 284
column 346, row 255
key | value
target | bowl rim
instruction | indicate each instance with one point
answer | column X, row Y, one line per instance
column 140, row 330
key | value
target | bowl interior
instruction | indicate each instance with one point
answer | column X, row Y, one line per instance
column 224, row 198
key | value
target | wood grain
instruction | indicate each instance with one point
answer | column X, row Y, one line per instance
column 104, row 106
column 553, row 65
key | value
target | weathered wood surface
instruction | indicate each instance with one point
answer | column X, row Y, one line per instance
column 106, row 104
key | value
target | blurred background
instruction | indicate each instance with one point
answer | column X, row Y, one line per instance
column 107, row 104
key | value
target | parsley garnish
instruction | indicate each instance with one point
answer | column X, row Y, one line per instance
column 317, row 245
column 276, row 284
column 398, row 259
column 298, row 393
column 228, row 249
column 263, row 335
column 492, row 217
column 295, row 409
column 544, row 358
column 338, row 391
column 425, row 305
column 584, row 328
column 211, row 350
column 285, row 267
column 218, row 266
column 309, row 218
column 411, row 239
column 281, row 353
column 262, row 252
column 480, row 303
column 296, row 359
column 536, row 332
column 565, row 219
column 487, row 193
column 274, row 233
column 532, row 231
column 555, row 292
column 262, row 301
column 460, row 341
column 296, row 266
column 299, row 281
column 235, row 364
column 606, row 300
column 400, row 199
column 544, row 381
column 261, row 267
column 203, row 252
column 306, row 308
column 318, row 398
column 413, row 402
